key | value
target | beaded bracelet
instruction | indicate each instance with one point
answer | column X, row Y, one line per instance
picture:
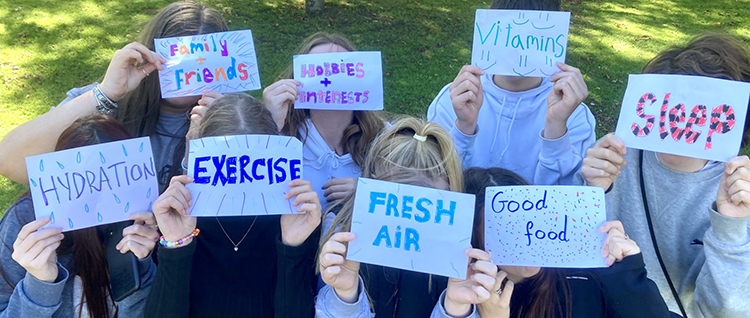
column 179, row 242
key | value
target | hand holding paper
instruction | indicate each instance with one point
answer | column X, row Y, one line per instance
column 467, row 97
column 604, row 162
column 568, row 92
column 475, row 289
column 498, row 305
column 337, row 271
column 296, row 228
column 35, row 249
column 129, row 66
column 617, row 245
column 733, row 198
column 140, row 237
column 172, row 210
column 278, row 97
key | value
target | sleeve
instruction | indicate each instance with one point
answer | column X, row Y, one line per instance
column 329, row 305
column 628, row 291
column 439, row 310
column 441, row 112
column 561, row 158
column 724, row 280
column 296, row 282
column 134, row 305
column 169, row 294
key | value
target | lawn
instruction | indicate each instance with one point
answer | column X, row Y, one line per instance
column 48, row 47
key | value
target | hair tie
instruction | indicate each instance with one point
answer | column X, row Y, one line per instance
column 420, row 137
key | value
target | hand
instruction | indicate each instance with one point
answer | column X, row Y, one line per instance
column 475, row 289
column 139, row 238
column 604, row 161
column 296, row 228
column 467, row 97
column 498, row 306
column 733, row 198
column 278, row 97
column 196, row 117
column 35, row 249
column 209, row 98
column 617, row 245
column 128, row 67
column 336, row 270
column 339, row 188
column 172, row 210
column 568, row 92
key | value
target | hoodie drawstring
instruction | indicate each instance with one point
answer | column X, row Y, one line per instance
column 510, row 126
column 497, row 124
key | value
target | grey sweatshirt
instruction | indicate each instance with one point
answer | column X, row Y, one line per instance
column 27, row 296
column 706, row 254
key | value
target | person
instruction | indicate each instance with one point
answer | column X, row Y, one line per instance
column 417, row 153
column 237, row 266
column 335, row 141
column 622, row 290
column 690, row 214
column 535, row 126
column 129, row 93
column 47, row 273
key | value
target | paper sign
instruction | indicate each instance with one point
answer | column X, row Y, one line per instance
column 243, row 174
column 93, row 185
column 520, row 42
column 692, row 116
column 545, row 226
column 224, row 62
column 414, row 228
column 339, row 81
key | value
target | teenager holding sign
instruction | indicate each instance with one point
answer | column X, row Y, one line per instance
column 235, row 266
column 537, row 127
column 622, row 290
column 416, row 153
column 690, row 215
column 49, row 274
column 129, row 93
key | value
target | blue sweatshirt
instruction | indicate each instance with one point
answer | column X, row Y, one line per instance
column 509, row 133
column 28, row 296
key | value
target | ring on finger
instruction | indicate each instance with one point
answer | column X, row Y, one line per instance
column 498, row 291
column 144, row 73
column 626, row 236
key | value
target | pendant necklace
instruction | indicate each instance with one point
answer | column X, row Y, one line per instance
column 236, row 246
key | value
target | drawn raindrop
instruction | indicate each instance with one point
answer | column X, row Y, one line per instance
column 140, row 149
column 52, row 218
column 101, row 156
column 41, row 165
column 127, row 207
column 78, row 157
column 60, row 165
column 70, row 223
column 124, row 150
column 149, row 206
column 116, row 198
column 86, row 207
column 32, row 182
column 99, row 217
column 148, row 194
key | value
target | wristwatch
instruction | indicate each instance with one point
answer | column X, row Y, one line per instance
column 105, row 105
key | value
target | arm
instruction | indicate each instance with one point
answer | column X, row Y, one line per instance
column 32, row 297
column 328, row 304
column 169, row 294
column 439, row 310
column 628, row 292
column 296, row 282
column 561, row 158
column 135, row 304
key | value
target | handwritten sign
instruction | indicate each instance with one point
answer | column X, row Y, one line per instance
column 414, row 228
column 345, row 80
column 224, row 62
column 520, row 42
column 243, row 174
column 692, row 116
column 545, row 226
column 93, row 185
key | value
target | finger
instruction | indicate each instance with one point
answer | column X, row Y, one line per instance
column 342, row 237
column 467, row 86
column 480, row 255
column 46, row 253
column 336, row 188
column 485, row 267
column 335, row 181
column 39, row 235
column 40, row 245
column 740, row 173
column 336, row 196
column 183, row 179
column 473, row 69
column 499, row 278
column 464, row 97
column 560, row 75
column 140, row 230
column 168, row 203
column 506, row 294
column 32, row 227
column 608, row 226
column 613, row 142
column 298, row 190
column 485, row 280
column 735, row 163
column 738, row 186
column 141, row 251
column 145, row 217
column 742, row 197
column 331, row 259
column 146, row 53
column 314, row 209
column 482, row 293
column 299, row 182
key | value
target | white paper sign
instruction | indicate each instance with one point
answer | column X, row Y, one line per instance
column 692, row 116
column 93, row 185
column 520, row 42
column 339, row 81
column 545, row 226
column 243, row 174
column 414, row 228
column 224, row 62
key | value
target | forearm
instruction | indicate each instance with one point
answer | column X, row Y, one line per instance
column 629, row 292
column 170, row 292
column 39, row 135
column 558, row 162
column 439, row 310
column 296, row 281
column 328, row 304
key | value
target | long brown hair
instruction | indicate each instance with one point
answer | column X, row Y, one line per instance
column 366, row 125
column 537, row 296
column 708, row 54
column 237, row 114
column 87, row 245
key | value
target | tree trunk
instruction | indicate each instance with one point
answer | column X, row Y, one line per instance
column 314, row 7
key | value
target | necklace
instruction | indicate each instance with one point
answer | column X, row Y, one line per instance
column 236, row 246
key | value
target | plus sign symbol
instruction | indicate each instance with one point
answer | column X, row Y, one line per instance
column 325, row 82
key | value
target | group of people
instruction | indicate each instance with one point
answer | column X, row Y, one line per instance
column 686, row 252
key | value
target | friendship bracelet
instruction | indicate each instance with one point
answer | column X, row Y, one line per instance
column 179, row 242
column 105, row 105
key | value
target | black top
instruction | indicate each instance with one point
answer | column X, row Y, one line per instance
column 263, row 278
column 622, row 290
column 401, row 293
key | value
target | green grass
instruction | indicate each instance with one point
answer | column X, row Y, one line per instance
column 48, row 47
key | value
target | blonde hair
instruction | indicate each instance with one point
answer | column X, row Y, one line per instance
column 237, row 114
column 367, row 124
